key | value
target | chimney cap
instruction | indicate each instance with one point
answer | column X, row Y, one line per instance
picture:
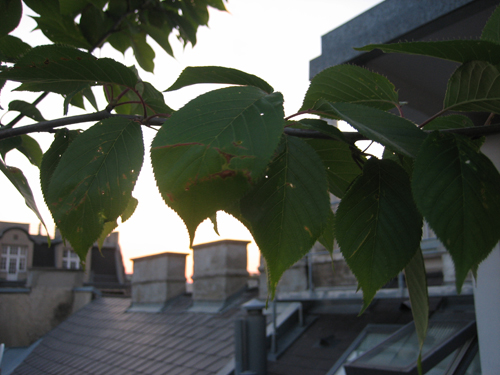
column 209, row 244
column 158, row 255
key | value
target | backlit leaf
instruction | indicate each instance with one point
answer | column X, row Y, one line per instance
column 64, row 69
column 461, row 51
column 30, row 148
column 416, row 280
column 491, row 30
column 289, row 208
column 26, row 109
column 143, row 52
column 94, row 179
column 351, row 84
column 217, row 74
column 160, row 36
column 62, row 29
column 377, row 225
column 341, row 169
column 16, row 177
column 208, row 153
column 52, row 156
column 12, row 48
column 474, row 87
column 397, row 133
column 456, row 188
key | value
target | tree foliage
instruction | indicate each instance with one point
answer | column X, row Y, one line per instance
column 233, row 149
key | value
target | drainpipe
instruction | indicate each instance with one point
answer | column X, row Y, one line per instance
column 250, row 341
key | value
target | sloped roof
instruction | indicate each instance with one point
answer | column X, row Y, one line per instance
column 103, row 338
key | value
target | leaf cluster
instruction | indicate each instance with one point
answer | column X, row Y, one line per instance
column 233, row 149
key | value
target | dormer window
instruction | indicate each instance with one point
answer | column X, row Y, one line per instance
column 13, row 260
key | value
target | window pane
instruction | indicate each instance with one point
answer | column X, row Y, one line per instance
column 22, row 264
column 24, row 250
column 13, row 266
column 5, row 249
column 13, row 250
column 3, row 264
column 65, row 264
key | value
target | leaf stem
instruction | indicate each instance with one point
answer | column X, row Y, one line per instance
column 432, row 118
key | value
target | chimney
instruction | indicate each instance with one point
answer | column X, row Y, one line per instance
column 157, row 279
column 220, row 271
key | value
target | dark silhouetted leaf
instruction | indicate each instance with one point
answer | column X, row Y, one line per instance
column 397, row 133
column 10, row 15
column 461, row 51
column 323, row 127
column 217, row 74
column 94, row 179
column 289, row 208
column 474, row 87
column 214, row 147
column 327, row 239
column 160, row 36
column 456, row 188
column 377, row 225
column 143, row 52
column 351, row 84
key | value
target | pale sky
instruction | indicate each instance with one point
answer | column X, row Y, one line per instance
column 273, row 39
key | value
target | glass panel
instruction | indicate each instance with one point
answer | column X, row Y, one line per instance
column 371, row 340
column 475, row 366
column 13, row 250
column 13, row 266
column 65, row 264
column 24, row 250
column 5, row 249
column 3, row 263
column 22, row 264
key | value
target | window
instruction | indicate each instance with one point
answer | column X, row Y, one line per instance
column 70, row 260
column 398, row 353
column 13, row 260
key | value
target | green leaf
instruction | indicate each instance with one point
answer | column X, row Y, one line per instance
column 491, row 30
column 26, row 109
column 16, row 177
column 213, row 219
column 120, row 41
column 474, row 86
column 461, row 51
column 130, row 209
column 12, row 48
column 108, row 228
column 94, row 24
column 94, row 179
column 9, row 144
column 416, row 280
column 341, row 169
column 31, row 149
column 455, row 187
column 51, row 158
column 63, row 70
column 351, row 84
column 206, row 154
column 377, row 225
column 46, row 8
column 449, row 122
column 154, row 99
column 397, row 133
column 327, row 239
column 72, row 7
column 160, row 36
column 217, row 74
column 289, row 208
column 217, row 4
column 62, row 29
column 143, row 52
column 10, row 15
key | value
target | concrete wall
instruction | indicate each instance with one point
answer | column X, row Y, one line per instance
column 220, row 269
column 29, row 313
column 158, row 278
